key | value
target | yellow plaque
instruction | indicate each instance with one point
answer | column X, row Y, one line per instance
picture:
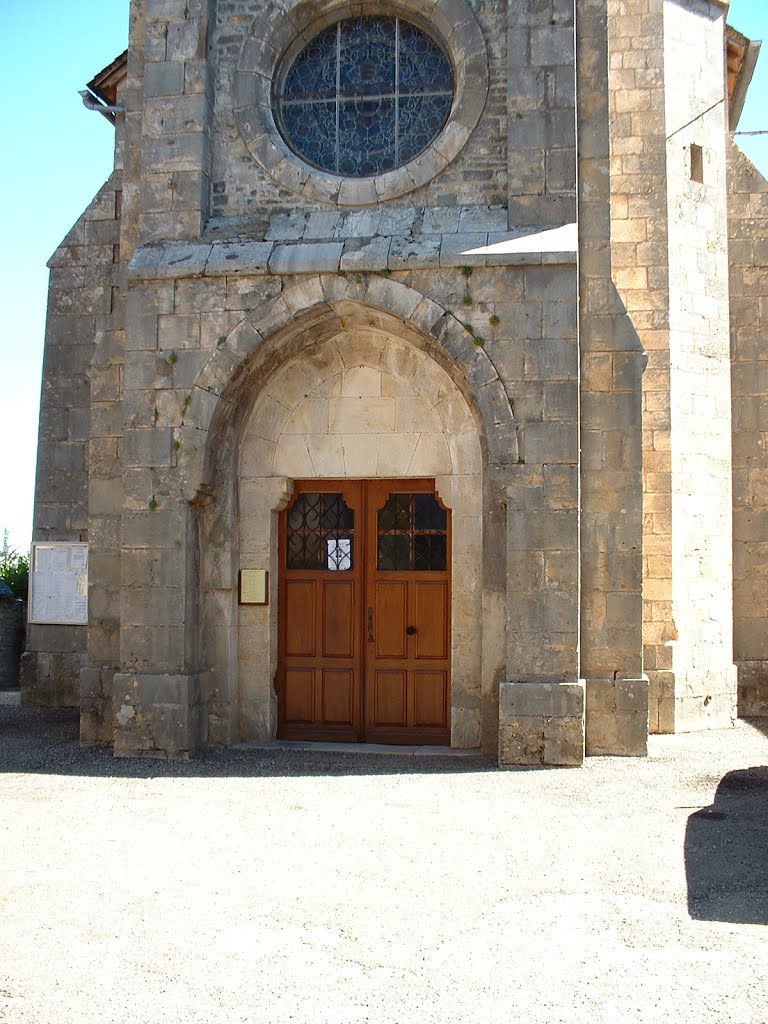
column 253, row 586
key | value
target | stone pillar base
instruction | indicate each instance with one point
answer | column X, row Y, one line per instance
column 541, row 723
column 753, row 689
column 617, row 717
column 159, row 714
column 96, row 720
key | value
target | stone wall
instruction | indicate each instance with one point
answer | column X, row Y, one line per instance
column 748, row 241
column 11, row 640
column 640, row 264
column 201, row 355
column 541, row 107
column 670, row 269
column 214, row 279
column 83, row 310
column 699, row 366
column 611, row 362
column 243, row 191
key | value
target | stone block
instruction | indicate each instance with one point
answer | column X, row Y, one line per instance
column 482, row 218
column 541, row 723
column 365, row 254
column 159, row 714
column 617, row 712
column 164, row 78
column 397, row 220
column 414, row 252
column 441, row 220
column 96, row 727
column 321, row 225
column 456, row 250
column 148, row 447
column 359, row 224
column 306, row 257
column 232, row 258
column 465, row 728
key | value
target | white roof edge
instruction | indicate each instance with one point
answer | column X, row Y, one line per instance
column 561, row 239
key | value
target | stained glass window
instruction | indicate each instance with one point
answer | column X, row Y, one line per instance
column 366, row 95
column 412, row 534
column 320, row 533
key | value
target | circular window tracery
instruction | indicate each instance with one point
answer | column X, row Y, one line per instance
column 365, row 96
column 268, row 53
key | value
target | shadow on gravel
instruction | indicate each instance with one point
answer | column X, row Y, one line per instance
column 726, row 851
column 761, row 724
column 45, row 741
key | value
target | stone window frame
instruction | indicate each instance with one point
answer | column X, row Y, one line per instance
column 451, row 22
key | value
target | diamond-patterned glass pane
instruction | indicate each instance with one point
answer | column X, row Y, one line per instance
column 365, row 95
column 320, row 533
column 412, row 534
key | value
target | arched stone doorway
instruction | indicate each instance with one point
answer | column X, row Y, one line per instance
column 364, row 404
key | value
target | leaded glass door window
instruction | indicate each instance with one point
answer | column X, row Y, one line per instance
column 412, row 534
column 320, row 533
column 365, row 96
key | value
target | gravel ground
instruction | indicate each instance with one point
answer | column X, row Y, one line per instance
column 271, row 886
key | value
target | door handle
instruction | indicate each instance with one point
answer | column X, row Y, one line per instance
column 370, row 625
column 411, row 631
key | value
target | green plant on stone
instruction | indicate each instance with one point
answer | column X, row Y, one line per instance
column 467, row 300
column 152, row 504
column 494, row 320
column 173, row 358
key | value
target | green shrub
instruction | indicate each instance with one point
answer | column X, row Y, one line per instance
column 14, row 569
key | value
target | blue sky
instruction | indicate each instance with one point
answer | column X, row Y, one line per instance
column 62, row 154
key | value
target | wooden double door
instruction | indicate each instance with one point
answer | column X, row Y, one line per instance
column 365, row 612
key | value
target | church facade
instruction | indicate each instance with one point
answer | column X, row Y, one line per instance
column 404, row 386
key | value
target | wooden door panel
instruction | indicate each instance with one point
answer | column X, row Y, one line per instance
column 340, row 675
column 431, row 619
column 389, row 698
column 338, row 697
column 338, row 620
column 298, row 703
column 318, row 680
column 430, row 699
column 300, row 618
column 408, row 573
column 390, row 618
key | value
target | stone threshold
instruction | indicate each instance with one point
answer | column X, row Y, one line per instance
column 361, row 748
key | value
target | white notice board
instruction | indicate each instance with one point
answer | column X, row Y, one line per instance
column 58, row 584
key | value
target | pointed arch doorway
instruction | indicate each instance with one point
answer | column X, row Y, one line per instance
column 365, row 613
